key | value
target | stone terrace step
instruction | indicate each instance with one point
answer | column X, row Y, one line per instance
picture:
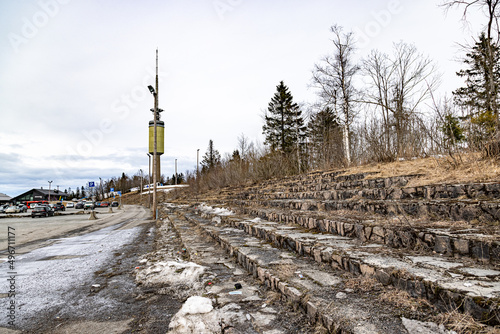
column 457, row 284
column 458, row 240
column 355, row 181
column 476, row 191
column 317, row 289
column 292, row 182
column 222, row 275
column 467, row 210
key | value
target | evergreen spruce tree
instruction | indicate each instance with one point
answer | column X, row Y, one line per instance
column 284, row 126
column 211, row 159
column 481, row 91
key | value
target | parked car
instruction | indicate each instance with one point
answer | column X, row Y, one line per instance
column 97, row 204
column 13, row 209
column 79, row 205
column 59, row 207
column 114, row 203
column 3, row 208
column 42, row 211
column 23, row 207
column 70, row 205
column 104, row 204
column 88, row 205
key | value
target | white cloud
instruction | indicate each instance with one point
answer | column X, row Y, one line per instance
column 76, row 90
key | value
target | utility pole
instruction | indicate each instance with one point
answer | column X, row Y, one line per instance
column 175, row 171
column 149, row 181
column 141, row 184
column 197, row 170
column 154, row 91
column 155, row 162
column 49, row 189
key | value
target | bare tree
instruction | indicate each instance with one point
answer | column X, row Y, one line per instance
column 396, row 87
column 244, row 145
column 333, row 77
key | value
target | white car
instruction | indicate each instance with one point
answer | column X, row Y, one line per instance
column 70, row 205
column 88, row 205
column 13, row 209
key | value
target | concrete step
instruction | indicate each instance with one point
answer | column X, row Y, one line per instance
column 242, row 303
column 325, row 294
column 467, row 210
column 457, row 284
column 477, row 191
column 453, row 240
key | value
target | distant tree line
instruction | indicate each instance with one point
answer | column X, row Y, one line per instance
column 380, row 108
column 124, row 183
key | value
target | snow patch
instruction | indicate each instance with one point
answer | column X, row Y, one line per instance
column 197, row 315
column 196, row 305
column 215, row 211
column 171, row 272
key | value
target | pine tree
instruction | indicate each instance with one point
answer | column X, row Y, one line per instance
column 481, row 91
column 284, row 127
column 211, row 159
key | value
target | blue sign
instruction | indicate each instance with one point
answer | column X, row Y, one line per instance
column 119, row 193
column 91, row 184
column 112, row 189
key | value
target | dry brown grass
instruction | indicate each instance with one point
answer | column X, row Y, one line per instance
column 363, row 283
column 464, row 323
column 272, row 297
column 402, row 300
column 286, row 271
column 470, row 168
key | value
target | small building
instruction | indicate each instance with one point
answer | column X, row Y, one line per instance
column 5, row 198
column 40, row 195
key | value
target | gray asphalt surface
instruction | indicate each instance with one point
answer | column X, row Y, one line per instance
column 56, row 281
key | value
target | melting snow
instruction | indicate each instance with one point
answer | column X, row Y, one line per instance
column 171, row 272
column 197, row 316
column 216, row 211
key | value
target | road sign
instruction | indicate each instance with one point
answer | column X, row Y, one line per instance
column 119, row 193
column 91, row 184
column 112, row 189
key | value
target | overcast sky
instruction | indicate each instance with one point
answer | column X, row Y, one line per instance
column 74, row 103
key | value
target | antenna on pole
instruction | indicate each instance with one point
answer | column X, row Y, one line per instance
column 157, row 92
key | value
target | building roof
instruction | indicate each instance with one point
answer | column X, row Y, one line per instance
column 4, row 197
column 43, row 192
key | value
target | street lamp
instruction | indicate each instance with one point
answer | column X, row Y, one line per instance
column 49, row 189
column 155, row 95
column 175, row 171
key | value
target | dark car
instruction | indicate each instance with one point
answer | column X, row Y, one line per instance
column 104, row 204
column 79, row 205
column 42, row 211
column 114, row 203
column 59, row 207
